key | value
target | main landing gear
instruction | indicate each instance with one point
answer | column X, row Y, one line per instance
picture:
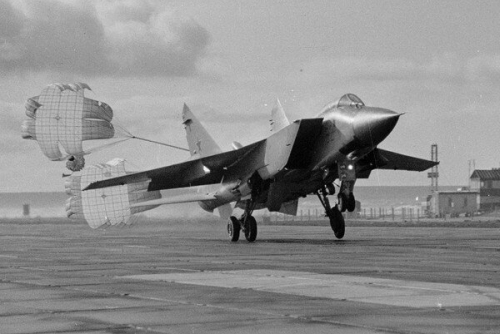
column 246, row 223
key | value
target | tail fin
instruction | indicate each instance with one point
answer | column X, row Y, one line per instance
column 278, row 117
column 200, row 143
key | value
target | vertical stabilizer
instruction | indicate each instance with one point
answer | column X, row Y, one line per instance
column 200, row 143
column 278, row 117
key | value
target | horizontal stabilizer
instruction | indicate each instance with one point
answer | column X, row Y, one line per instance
column 182, row 198
column 392, row 160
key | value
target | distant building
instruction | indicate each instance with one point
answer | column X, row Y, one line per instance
column 453, row 203
column 487, row 183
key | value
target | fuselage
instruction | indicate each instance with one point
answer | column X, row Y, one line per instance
column 349, row 131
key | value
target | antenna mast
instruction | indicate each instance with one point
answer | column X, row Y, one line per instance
column 434, row 174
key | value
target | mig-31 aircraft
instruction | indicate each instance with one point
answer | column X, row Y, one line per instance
column 299, row 158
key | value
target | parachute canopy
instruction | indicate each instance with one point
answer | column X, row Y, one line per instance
column 107, row 206
column 61, row 115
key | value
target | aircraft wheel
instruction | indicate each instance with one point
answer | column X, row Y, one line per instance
column 233, row 228
column 351, row 203
column 343, row 202
column 251, row 229
column 337, row 222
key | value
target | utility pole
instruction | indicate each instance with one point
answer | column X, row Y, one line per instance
column 472, row 168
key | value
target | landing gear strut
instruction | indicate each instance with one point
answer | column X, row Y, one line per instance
column 246, row 223
column 347, row 177
column 346, row 199
column 346, row 202
column 337, row 221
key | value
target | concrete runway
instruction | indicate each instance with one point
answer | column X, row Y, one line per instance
column 186, row 277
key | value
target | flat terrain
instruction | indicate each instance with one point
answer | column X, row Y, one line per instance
column 57, row 276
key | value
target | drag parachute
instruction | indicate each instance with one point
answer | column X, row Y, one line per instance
column 62, row 116
column 106, row 206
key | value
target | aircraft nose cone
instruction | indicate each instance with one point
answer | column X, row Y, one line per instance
column 372, row 125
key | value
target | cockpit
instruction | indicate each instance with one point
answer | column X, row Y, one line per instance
column 349, row 100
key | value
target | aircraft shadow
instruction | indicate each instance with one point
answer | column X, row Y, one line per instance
column 333, row 242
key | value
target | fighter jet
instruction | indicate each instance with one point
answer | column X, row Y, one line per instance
column 322, row 156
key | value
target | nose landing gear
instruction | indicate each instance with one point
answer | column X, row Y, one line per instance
column 337, row 221
column 347, row 177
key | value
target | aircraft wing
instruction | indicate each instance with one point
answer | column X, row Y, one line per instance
column 207, row 170
column 182, row 198
column 392, row 160
column 288, row 148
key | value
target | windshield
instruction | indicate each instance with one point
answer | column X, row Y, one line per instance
column 349, row 100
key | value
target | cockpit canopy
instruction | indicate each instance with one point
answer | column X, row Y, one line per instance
column 349, row 100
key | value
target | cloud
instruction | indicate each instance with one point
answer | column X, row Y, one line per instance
column 483, row 67
column 11, row 20
column 445, row 67
column 114, row 38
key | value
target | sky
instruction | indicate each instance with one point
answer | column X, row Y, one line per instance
column 438, row 62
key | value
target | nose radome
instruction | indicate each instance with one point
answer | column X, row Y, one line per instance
column 373, row 125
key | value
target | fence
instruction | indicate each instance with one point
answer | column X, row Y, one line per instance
column 318, row 215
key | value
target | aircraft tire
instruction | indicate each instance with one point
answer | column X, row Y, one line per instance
column 251, row 229
column 233, row 229
column 351, row 203
column 337, row 222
